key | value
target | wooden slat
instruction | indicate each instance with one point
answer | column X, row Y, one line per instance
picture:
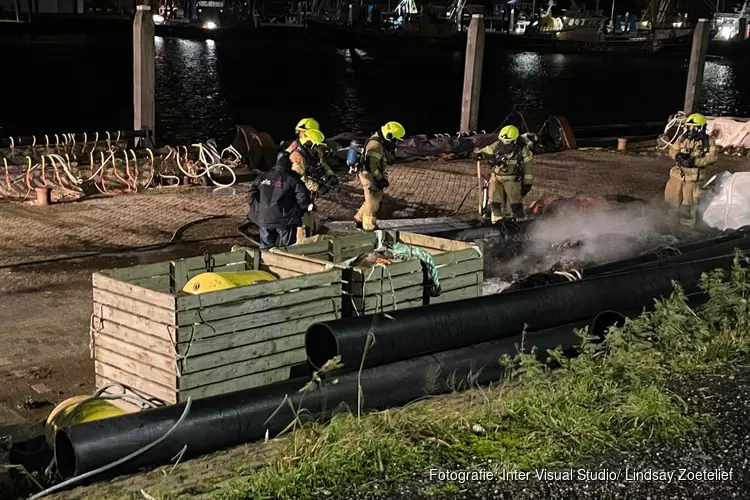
column 297, row 263
column 258, row 290
column 244, row 307
column 122, row 404
column 386, row 299
column 165, row 362
column 248, row 354
column 348, row 253
column 156, row 283
column 395, row 269
column 134, row 322
column 219, row 259
column 463, row 293
column 237, row 384
column 212, row 344
column 159, row 345
column 241, row 369
column 444, row 258
column 140, row 384
column 462, row 281
column 386, row 286
column 466, row 267
column 282, row 273
column 155, row 374
column 135, row 306
column 111, row 285
column 229, row 268
column 307, row 248
column 431, row 242
column 142, row 271
column 249, row 321
column 399, row 306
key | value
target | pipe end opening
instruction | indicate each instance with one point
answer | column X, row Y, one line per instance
column 604, row 320
column 320, row 345
column 65, row 455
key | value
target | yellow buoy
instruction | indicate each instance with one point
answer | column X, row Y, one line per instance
column 212, row 282
column 77, row 410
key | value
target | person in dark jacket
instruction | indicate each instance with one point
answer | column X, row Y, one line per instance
column 278, row 199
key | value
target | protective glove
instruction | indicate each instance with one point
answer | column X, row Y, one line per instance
column 525, row 188
column 477, row 156
column 684, row 160
column 323, row 189
column 332, row 180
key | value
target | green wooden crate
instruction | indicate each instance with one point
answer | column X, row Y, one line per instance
column 368, row 290
column 170, row 345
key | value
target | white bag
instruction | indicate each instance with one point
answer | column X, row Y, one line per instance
column 726, row 202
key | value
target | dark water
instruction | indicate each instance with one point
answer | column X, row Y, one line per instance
column 205, row 87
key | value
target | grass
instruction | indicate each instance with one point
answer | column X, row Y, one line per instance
column 612, row 396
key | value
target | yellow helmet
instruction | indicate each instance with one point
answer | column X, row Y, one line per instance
column 312, row 136
column 393, row 131
column 307, row 124
column 508, row 133
column 696, row 120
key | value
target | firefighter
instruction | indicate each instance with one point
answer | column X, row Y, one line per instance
column 379, row 152
column 307, row 162
column 277, row 201
column 512, row 174
column 692, row 152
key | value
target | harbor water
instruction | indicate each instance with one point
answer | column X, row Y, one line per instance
column 204, row 88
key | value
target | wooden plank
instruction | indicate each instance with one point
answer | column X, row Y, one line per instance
column 297, row 263
column 160, row 375
column 399, row 306
column 348, row 253
column 356, row 240
column 237, row 384
column 258, row 290
column 111, row 285
column 386, row 299
column 282, row 273
column 245, row 337
column 463, row 293
column 395, row 269
column 466, row 267
column 156, row 283
column 122, row 404
column 236, row 324
column 134, row 322
column 143, row 386
column 444, row 258
column 165, row 362
column 422, row 240
column 307, row 248
column 136, row 307
column 241, row 369
column 386, row 286
column 178, row 275
column 229, row 268
column 244, row 307
column 219, row 259
column 248, row 353
column 141, row 271
column 158, row 345
column 462, row 281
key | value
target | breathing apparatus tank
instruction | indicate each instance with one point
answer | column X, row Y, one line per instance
column 354, row 156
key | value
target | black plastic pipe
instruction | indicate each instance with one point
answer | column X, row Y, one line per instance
column 240, row 417
column 414, row 332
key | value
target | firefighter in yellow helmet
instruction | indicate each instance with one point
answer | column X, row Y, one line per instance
column 307, row 160
column 512, row 174
column 692, row 152
column 379, row 153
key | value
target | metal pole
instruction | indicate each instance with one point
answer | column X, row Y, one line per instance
column 612, row 17
column 144, row 77
column 697, row 63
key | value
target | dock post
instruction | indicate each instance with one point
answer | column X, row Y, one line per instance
column 742, row 35
column 472, row 74
column 144, row 73
column 697, row 63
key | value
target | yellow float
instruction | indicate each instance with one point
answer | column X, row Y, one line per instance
column 213, row 282
column 77, row 410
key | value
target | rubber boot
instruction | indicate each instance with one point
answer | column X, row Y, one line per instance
column 687, row 215
column 517, row 209
column 368, row 223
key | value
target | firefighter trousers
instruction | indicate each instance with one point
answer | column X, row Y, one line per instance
column 505, row 197
column 373, row 199
column 683, row 192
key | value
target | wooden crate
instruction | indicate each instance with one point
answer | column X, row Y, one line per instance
column 369, row 290
column 148, row 335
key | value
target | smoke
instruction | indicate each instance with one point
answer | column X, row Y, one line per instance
column 573, row 239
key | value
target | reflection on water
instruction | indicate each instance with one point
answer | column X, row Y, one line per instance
column 204, row 88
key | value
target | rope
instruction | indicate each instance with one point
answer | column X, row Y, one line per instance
column 678, row 119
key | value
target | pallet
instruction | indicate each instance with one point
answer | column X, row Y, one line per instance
column 369, row 290
column 164, row 344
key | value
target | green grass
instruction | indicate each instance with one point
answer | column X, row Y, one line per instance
column 612, row 396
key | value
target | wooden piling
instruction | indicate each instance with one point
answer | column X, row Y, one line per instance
column 472, row 74
column 697, row 63
column 742, row 35
column 144, row 73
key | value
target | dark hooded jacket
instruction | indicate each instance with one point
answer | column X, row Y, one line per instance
column 278, row 198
